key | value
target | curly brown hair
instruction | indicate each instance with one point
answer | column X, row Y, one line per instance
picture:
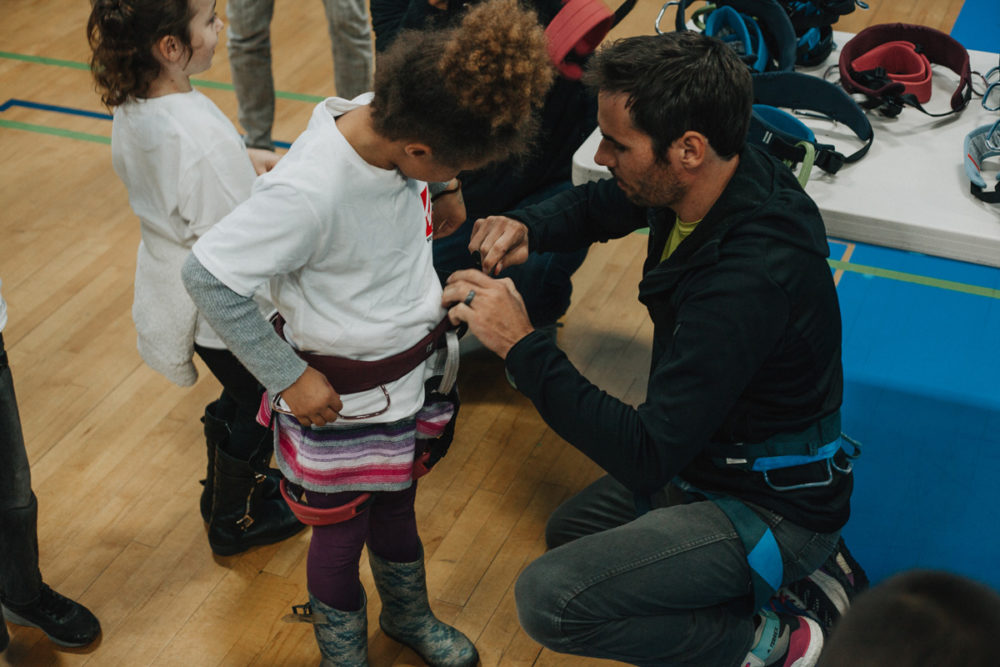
column 470, row 92
column 122, row 33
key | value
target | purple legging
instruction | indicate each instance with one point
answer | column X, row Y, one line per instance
column 389, row 526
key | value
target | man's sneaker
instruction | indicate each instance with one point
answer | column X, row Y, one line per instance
column 784, row 640
column 826, row 594
column 805, row 642
column 67, row 623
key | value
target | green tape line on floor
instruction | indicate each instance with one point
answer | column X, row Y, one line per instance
column 56, row 62
column 901, row 276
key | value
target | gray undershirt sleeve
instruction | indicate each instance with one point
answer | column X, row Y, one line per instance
column 238, row 322
column 436, row 188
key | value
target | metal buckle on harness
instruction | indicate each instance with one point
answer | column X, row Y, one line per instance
column 830, row 160
column 276, row 407
column 803, row 485
column 831, row 465
column 663, row 10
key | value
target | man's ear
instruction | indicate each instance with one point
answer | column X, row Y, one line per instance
column 692, row 149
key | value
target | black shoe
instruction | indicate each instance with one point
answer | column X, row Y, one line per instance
column 67, row 623
column 242, row 516
column 216, row 434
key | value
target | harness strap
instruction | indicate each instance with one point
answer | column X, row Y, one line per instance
column 578, row 28
column 817, row 442
column 981, row 144
column 763, row 555
column 740, row 32
column 780, row 132
column 321, row 516
column 769, row 17
column 350, row 376
column 767, row 570
column 889, row 96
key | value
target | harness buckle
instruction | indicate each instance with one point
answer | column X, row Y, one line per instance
column 276, row 407
column 663, row 10
column 830, row 161
column 803, row 485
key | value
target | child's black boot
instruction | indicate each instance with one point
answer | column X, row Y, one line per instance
column 242, row 515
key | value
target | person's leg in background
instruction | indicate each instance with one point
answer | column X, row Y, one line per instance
column 249, row 47
column 26, row 599
column 351, row 42
column 235, row 490
column 669, row 587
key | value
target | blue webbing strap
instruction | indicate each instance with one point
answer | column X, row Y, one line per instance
column 815, row 443
column 825, row 452
column 763, row 556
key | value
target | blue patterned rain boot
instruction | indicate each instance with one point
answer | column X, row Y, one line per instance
column 342, row 636
column 407, row 617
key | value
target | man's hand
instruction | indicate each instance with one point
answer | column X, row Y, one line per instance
column 495, row 312
column 263, row 161
column 500, row 242
column 312, row 400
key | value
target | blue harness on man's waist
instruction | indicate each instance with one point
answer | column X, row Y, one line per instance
column 818, row 443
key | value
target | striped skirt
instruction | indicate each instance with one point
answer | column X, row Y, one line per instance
column 366, row 457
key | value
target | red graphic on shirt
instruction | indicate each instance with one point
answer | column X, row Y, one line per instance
column 426, row 201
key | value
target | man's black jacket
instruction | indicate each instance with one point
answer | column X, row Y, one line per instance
column 746, row 340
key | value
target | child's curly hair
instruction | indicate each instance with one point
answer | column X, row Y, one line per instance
column 469, row 92
column 122, row 33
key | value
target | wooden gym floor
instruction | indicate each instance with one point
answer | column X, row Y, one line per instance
column 117, row 451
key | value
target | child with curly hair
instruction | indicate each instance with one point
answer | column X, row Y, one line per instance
column 341, row 230
column 185, row 167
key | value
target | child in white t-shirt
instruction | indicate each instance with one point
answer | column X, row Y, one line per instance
column 185, row 167
column 341, row 231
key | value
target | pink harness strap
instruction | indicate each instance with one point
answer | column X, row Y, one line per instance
column 319, row 516
column 578, row 28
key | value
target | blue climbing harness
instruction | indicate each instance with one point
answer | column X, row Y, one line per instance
column 818, row 443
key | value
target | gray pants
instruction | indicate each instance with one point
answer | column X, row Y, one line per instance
column 249, row 48
column 670, row 587
column 20, row 580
